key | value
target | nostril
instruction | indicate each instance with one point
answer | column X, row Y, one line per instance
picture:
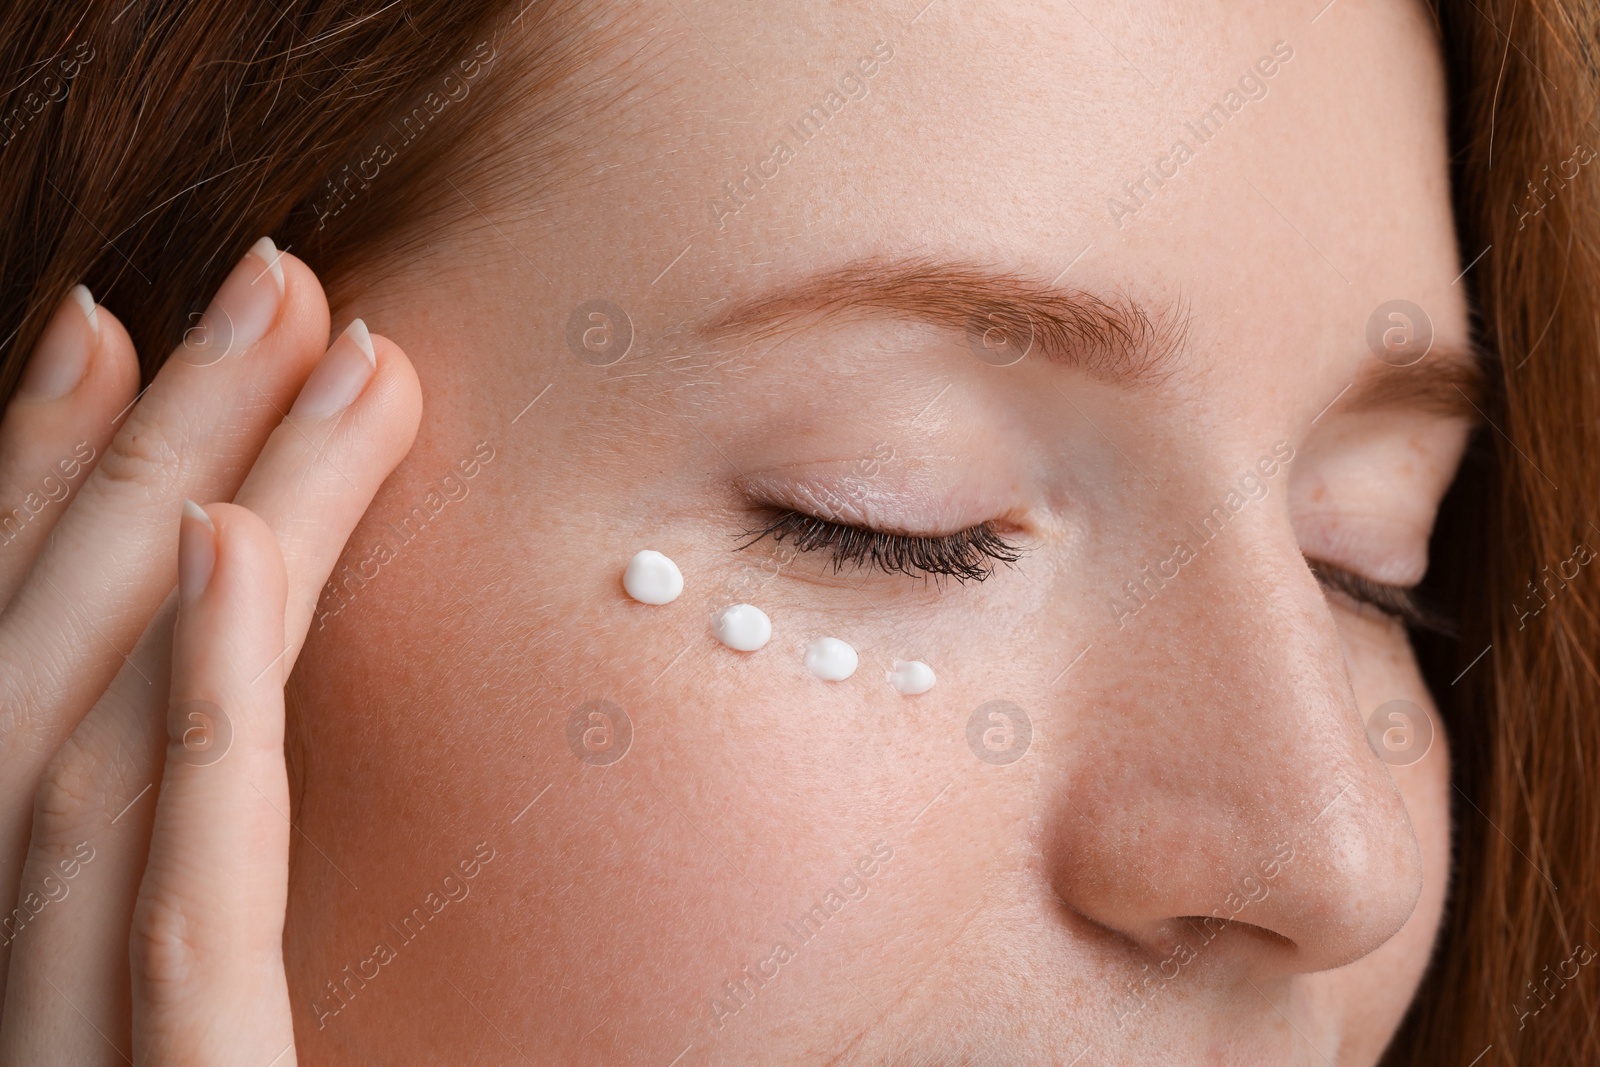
column 1207, row 928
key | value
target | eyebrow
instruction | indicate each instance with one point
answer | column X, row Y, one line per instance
column 1450, row 381
column 1121, row 341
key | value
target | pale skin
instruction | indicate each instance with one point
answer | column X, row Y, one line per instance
column 1203, row 755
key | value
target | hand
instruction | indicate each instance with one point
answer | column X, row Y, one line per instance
column 144, row 804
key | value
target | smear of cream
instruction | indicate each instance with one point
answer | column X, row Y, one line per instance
column 831, row 659
column 652, row 578
column 742, row 627
column 911, row 677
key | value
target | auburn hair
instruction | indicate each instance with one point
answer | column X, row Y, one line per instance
column 145, row 145
column 1520, row 689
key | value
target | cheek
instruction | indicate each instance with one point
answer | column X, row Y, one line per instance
column 665, row 811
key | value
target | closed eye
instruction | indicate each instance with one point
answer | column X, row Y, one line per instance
column 1395, row 601
column 967, row 555
column 971, row 555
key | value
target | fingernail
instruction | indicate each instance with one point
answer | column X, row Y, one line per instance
column 268, row 253
column 243, row 309
column 337, row 380
column 197, row 552
column 62, row 355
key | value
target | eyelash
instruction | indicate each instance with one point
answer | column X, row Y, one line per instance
column 968, row 555
column 971, row 555
column 1392, row 600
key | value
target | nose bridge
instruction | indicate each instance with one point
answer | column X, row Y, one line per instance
column 1220, row 768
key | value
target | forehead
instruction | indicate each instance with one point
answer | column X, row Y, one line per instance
column 1278, row 170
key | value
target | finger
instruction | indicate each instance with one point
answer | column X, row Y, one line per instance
column 319, row 472
column 82, row 373
column 206, row 945
column 314, row 478
column 66, row 995
column 106, row 568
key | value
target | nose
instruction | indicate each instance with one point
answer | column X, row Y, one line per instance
column 1219, row 795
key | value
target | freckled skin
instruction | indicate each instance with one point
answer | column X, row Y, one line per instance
column 1203, row 755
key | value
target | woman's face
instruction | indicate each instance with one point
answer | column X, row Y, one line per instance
column 1201, row 211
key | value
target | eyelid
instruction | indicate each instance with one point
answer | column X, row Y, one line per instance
column 915, row 499
column 1397, row 602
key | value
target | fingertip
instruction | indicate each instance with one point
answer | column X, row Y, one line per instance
column 268, row 253
column 391, row 358
column 249, row 561
column 114, row 367
column 81, row 296
column 65, row 350
column 294, row 273
column 357, row 331
column 305, row 315
column 197, row 552
column 84, row 357
column 402, row 390
column 191, row 510
column 238, row 524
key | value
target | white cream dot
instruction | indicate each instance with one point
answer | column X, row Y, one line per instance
column 652, row 578
column 742, row 627
column 830, row 659
column 911, row 677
